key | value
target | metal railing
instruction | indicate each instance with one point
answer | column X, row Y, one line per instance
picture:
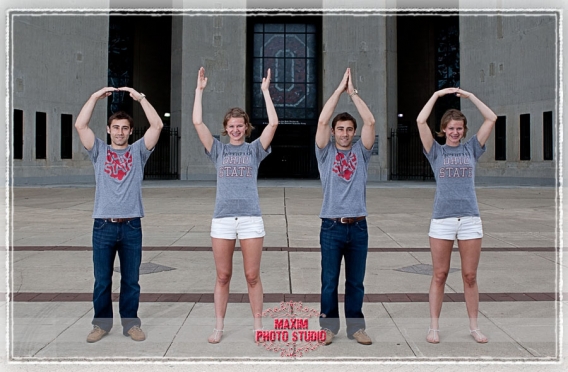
column 163, row 164
column 407, row 162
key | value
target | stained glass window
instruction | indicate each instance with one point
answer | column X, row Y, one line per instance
column 289, row 50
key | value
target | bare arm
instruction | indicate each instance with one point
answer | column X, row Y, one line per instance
column 152, row 134
column 86, row 134
column 368, row 130
column 323, row 133
column 423, row 128
column 203, row 132
column 489, row 117
column 268, row 132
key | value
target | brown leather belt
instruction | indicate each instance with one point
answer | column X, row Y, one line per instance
column 348, row 220
column 117, row 220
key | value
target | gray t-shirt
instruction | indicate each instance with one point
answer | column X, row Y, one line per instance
column 118, row 176
column 343, row 178
column 237, row 171
column 454, row 169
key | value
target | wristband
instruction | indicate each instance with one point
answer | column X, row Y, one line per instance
column 142, row 95
column 355, row 91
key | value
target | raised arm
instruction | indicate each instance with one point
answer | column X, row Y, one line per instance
column 423, row 128
column 86, row 134
column 203, row 132
column 323, row 133
column 368, row 130
column 152, row 134
column 489, row 117
column 268, row 132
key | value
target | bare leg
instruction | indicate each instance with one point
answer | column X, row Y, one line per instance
column 470, row 251
column 441, row 251
column 223, row 254
column 252, row 252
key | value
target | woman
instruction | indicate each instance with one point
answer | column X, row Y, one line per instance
column 455, row 214
column 237, row 211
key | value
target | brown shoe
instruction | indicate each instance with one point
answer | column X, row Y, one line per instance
column 328, row 336
column 362, row 337
column 96, row 334
column 136, row 334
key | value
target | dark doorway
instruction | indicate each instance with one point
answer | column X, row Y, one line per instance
column 428, row 60
column 291, row 48
column 140, row 57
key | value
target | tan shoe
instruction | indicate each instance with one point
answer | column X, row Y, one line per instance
column 136, row 334
column 328, row 336
column 362, row 337
column 96, row 334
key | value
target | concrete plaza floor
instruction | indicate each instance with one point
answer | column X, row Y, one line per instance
column 51, row 282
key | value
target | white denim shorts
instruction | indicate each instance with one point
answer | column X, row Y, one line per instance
column 464, row 228
column 247, row 227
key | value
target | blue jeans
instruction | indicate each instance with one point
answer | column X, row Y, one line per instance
column 339, row 240
column 108, row 239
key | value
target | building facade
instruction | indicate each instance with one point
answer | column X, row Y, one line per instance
column 509, row 60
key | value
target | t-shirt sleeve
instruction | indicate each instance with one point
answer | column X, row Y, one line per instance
column 434, row 151
column 260, row 152
column 140, row 146
column 95, row 151
column 321, row 154
column 366, row 152
column 215, row 150
column 476, row 147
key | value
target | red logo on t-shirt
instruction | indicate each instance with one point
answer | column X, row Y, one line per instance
column 118, row 166
column 345, row 166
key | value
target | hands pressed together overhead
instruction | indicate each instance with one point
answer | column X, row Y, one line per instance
column 346, row 84
column 107, row 91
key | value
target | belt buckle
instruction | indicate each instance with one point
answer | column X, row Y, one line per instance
column 114, row 220
column 345, row 219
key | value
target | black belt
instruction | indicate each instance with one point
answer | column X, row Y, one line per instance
column 348, row 220
column 118, row 220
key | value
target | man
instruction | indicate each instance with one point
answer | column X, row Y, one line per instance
column 119, row 170
column 343, row 171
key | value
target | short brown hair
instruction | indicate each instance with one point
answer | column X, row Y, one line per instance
column 344, row 116
column 236, row 112
column 120, row 115
column 452, row 114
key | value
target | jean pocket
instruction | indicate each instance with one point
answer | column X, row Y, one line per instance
column 361, row 225
column 327, row 224
column 99, row 223
column 134, row 224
